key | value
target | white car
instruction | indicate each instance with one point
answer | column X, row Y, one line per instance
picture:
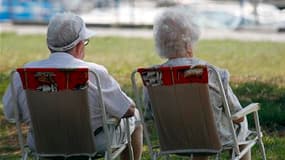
column 233, row 16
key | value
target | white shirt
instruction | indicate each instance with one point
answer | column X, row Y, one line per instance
column 216, row 101
column 116, row 101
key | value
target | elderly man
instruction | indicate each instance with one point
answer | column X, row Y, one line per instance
column 175, row 36
column 67, row 37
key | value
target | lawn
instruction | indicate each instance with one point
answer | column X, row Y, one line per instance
column 257, row 75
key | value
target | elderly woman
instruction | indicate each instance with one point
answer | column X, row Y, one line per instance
column 175, row 36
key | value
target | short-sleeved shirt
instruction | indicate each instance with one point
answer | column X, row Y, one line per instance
column 116, row 101
column 216, row 101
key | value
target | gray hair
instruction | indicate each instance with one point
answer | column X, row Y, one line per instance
column 65, row 30
column 174, row 32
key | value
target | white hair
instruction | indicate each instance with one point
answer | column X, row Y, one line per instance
column 174, row 32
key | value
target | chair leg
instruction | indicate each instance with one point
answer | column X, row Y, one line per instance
column 25, row 156
column 191, row 157
column 36, row 158
column 129, row 145
column 259, row 134
column 131, row 151
column 233, row 154
column 218, row 156
column 262, row 149
column 154, row 156
column 107, row 156
column 166, row 157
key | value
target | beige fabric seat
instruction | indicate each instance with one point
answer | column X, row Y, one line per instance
column 59, row 111
column 183, row 115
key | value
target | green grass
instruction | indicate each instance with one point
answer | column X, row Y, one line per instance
column 257, row 75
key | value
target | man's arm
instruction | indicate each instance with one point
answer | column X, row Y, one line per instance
column 8, row 104
column 117, row 103
column 18, row 100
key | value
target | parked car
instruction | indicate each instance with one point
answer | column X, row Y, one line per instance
column 233, row 16
column 4, row 11
column 28, row 11
column 281, row 26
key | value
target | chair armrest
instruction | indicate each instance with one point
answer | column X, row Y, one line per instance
column 113, row 120
column 13, row 120
column 246, row 110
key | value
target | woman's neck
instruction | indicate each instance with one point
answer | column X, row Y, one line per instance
column 182, row 56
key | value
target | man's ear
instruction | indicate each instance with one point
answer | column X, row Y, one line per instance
column 79, row 49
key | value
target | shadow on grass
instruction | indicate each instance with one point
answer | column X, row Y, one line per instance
column 272, row 116
column 271, row 98
column 4, row 80
column 9, row 147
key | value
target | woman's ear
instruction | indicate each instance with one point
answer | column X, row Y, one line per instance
column 189, row 49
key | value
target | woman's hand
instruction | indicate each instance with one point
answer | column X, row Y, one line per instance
column 239, row 120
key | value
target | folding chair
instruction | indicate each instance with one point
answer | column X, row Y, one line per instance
column 183, row 115
column 60, row 118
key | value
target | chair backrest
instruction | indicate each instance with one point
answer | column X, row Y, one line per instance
column 58, row 106
column 182, row 110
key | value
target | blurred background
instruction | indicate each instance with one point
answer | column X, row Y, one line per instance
column 263, row 16
column 246, row 36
